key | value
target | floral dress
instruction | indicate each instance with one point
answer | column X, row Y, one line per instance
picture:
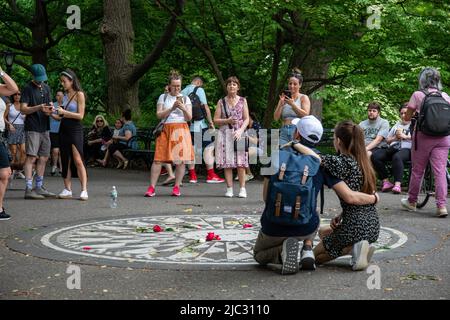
column 226, row 156
column 359, row 222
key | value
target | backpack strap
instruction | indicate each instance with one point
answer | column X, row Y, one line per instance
column 322, row 198
column 195, row 90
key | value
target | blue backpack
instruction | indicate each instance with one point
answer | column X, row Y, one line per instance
column 291, row 196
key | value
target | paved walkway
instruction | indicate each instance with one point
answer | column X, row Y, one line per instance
column 120, row 257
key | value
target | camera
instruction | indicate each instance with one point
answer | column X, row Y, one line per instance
column 287, row 93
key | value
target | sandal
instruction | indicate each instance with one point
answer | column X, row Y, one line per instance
column 168, row 181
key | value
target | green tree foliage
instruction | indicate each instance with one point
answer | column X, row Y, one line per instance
column 261, row 40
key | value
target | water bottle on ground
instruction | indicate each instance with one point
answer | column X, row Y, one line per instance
column 113, row 200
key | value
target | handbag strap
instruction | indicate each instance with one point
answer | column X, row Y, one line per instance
column 224, row 105
column 16, row 118
column 70, row 100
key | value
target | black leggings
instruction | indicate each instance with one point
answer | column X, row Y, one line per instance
column 381, row 156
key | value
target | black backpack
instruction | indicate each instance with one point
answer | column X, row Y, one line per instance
column 197, row 108
column 434, row 116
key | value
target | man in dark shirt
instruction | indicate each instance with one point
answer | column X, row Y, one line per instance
column 36, row 103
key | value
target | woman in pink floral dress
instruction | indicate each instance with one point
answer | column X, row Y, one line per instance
column 232, row 116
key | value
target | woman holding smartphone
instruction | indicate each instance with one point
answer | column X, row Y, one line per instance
column 291, row 106
column 71, row 113
column 174, row 144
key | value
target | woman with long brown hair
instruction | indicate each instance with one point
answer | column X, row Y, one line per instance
column 357, row 225
column 71, row 113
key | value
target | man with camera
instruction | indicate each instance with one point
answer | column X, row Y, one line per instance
column 36, row 103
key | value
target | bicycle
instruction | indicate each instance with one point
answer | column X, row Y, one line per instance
column 427, row 188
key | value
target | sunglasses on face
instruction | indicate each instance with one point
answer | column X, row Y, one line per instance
column 17, row 94
column 100, row 120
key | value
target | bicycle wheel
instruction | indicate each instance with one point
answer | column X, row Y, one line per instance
column 427, row 188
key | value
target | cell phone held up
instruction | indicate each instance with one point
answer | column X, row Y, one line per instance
column 287, row 93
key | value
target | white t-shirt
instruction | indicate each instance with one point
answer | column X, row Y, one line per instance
column 176, row 116
column 2, row 112
column 404, row 144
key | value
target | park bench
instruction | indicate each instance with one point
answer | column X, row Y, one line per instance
column 144, row 151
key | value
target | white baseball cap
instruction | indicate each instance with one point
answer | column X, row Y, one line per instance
column 309, row 128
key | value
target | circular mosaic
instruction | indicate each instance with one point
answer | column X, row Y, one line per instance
column 189, row 240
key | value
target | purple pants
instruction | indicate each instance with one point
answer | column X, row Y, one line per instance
column 434, row 150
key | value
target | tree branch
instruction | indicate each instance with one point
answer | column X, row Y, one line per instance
column 139, row 70
column 224, row 39
column 15, row 33
column 208, row 54
column 12, row 44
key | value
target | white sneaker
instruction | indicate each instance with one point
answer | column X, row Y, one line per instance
column 229, row 193
column 408, row 206
column 242, row 193
column 360, row 253
column 249, row 177
column 307, row 260
column 19, row 175
column 65, row 194
column 84, row 195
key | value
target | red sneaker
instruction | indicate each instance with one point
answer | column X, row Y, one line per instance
column 176, row 191
column 163, row 171
column 150, row 192
column 214, row 178
column 192, row 176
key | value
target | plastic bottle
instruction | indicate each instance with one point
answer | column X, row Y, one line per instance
column 113, row 200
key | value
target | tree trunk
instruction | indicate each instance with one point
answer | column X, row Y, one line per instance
column 273, row 84
column 118, row 43
column 314, row 68
column 39, row 34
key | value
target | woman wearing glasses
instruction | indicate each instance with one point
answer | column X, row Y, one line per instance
column 97, row 138
column 15, row 124
column 71, row 113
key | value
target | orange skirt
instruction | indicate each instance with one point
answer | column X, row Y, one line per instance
column 174, row 144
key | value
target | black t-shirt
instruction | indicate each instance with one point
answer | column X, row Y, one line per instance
column 33, row 96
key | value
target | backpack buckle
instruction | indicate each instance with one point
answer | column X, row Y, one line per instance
column 282, row 170
column 278, row 205
column 305, row 174
column 298, row 201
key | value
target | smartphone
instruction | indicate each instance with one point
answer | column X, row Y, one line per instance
column 180, row 98
column 287, row 93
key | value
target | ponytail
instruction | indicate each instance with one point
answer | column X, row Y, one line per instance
column 360, row 152
column 352, row 137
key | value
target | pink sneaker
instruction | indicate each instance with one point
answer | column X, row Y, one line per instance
column 214, row 178
column 150, row 192
column 176, row 191
column 192, row 176
column 386, row 186
column 397, row 189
